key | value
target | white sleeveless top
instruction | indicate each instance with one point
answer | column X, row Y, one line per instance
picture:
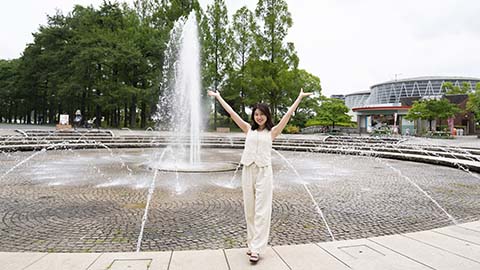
column 258, row 148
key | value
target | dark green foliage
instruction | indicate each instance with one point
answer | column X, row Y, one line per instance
column 333, row 111
column 473, row 103
column 216, row 45
column 431, row 109
column 108, row 63
column 451, row 89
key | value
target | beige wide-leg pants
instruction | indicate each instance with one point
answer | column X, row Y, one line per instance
column 257, row 199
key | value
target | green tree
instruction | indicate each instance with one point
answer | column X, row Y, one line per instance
column 451, row 89
column 431, row 109
column 108, row 61
column 333, row 111
column 473, row 103
column 157, row 19
column 237, row 87
column 419, row 111
column 275, row 20
column 216, row 45
column 11, row 100
column 43, row 70
column 294, row 80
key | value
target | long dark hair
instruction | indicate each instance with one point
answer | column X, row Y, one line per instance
column 266, row 111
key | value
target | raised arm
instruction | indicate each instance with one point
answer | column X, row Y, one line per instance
column 244, row 126
column 277, row 130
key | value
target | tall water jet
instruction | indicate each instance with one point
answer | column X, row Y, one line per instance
column 179, row 108
column 179, row 104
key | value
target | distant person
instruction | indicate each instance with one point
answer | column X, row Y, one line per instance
column 77, row 120
column 257, row 175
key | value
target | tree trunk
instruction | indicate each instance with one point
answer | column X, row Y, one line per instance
column 51, row 113
column 113, row 115
column 82, row 105
column 60, row 108
column 125, row 119
column 117, row 117
column 98, row 115
column 107, row 117
column 44, row 114
column 143, row 115
column 15, row 113
column 133, row 112
column 98, row 112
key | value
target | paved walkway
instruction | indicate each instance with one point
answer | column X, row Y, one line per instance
column 453, row 247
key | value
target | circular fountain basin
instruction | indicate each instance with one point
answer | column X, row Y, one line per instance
column 199, row 167
column 95, row 200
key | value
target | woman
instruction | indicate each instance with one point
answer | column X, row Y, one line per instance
column 257, row 169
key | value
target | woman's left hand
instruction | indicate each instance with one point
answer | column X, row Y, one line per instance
column 213, row 94
column 304, row 94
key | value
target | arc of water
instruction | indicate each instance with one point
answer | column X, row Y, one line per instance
column 419, row 188
column 123, row 164
column 21, row 162
column 145, row 214
column 452, row 151
column 147, row 205
column 468, row 154
column 320, row 212
column 30, row 157
column 234, row 174
column 445, row 149
column 385, row 163
column 343, row 145
column 97, row 169
column 97, row 143
column 448, row 149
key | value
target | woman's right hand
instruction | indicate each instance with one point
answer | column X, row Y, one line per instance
column 213, row 94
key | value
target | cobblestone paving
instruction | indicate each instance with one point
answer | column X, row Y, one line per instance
column 94, row 200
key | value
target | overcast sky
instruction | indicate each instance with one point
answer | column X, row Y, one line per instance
column 349, row 44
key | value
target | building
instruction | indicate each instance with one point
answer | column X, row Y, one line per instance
column 341, row 97
column 382, row 106
column 355, row 100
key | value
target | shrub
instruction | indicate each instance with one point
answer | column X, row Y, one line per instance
column 313, row 122
column 291, row 129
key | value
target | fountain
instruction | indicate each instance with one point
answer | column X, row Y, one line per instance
column 179, row 104
column 105, row 199
column 95, row 192
column 179, row 107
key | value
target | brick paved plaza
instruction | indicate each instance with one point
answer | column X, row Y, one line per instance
column 94, row 200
